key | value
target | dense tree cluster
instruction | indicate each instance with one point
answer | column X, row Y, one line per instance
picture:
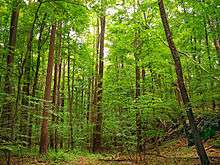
column 116, row 75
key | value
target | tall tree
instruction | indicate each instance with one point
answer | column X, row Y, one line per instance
column 58, row 103
column 138, row 93
column 62, row 102
column 36, row 75
column 6, row 119
column 27, row 78
column 70, row 98
column 98, row 123
column 199, row 146
column 47, row 93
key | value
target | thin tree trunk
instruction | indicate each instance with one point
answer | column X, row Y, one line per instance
column 70, row 128
column 94, row 99
column 54, row 101
column 47, row 94
column 90, row 81
column 36, row 75
column 72, row 104
column 58, row 88
column 199, row 146
column 62, row 103
column 93, row 110
column 27, row 80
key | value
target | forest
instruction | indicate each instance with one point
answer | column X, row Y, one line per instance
column 100, row 82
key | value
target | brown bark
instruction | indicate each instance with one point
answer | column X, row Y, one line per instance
column 95, row 85
column 199, row 146
column 62, row 101
column 93, row 110
column 58, row 87
column 47, row 92
column 98, row 125
column 88, row 98
column 6, row 120
column 70, row 127
column 53, row 137
column 54, row 101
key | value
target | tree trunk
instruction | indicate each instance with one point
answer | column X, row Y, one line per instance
column 36, row 75
column 6, row 120
column 199, row 146
column 98, row 125
column 47, row 92
column 53, row 139
column 94, row 99
column 62, row 100
column 70, row 116
column 54, row 101
column 27, row 81
column 93, row 110
column 58, row 88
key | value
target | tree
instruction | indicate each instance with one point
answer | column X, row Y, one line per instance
column 47, row 94
column 98, row 122
column 7, row 120
column 185, row 98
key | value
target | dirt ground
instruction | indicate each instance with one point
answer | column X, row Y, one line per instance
column 172, row 153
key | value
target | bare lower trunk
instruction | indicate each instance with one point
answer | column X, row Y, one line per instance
column 62, row 102
column 70, row 116
column 58, row 102
column 98, row 125
column 47, row 97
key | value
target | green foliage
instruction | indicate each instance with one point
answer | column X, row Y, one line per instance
column 154, row 133
column 68, row 156
column 59, row 156
column 134, row 39
column 216, row 143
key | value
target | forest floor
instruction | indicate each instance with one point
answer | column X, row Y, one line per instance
column 175, row 152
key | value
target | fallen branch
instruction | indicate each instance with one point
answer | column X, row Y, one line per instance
column 209, row 148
